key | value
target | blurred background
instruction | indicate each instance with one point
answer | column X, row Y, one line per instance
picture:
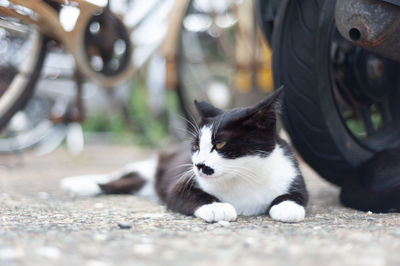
column 123, row 71
column 87, row 86
column 74, row 72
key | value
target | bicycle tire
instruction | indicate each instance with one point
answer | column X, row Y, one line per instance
column 208, row 70
column 22, row 86
column 185, row 99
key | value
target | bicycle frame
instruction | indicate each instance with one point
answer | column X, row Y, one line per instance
column 47, row 20
column 244, row 56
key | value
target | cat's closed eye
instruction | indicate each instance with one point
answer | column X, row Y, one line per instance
column 220, row 145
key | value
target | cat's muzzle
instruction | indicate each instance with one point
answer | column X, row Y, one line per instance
column 205, row 169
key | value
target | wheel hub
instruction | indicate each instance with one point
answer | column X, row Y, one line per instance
column 366, row 91
column 370, row 76
column 107, row 44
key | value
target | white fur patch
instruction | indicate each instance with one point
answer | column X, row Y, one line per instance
column 146, row 169
column 216, row 212
column 87, row 185
column 287, row 211
column 249, row 183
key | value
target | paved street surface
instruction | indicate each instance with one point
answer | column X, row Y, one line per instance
column 40, row 225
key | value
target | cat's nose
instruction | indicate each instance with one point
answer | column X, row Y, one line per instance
column 205, row 169
column 200, row 165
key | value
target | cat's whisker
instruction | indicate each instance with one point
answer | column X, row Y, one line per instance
column 247, row 178
column 185, row 174
column 187, row 142
column 239, row 174
column 182, row 166
column 192, row 124
column 247, row 169
column 184, row 182
column 244, row 173
column 187, row 179
column 194, row 121
column 187, row 131
column 254, row 179
column 191, row 180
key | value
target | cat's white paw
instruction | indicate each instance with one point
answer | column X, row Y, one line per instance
column 287, row 211
column 83, row 185
column 216, row 212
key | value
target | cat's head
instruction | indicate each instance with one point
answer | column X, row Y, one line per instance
column 227, row 139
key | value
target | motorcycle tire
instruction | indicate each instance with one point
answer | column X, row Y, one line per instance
column 302, row 45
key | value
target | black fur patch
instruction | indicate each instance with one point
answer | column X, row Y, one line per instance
column 205, row 169
column 246, row 131
column 180, row 192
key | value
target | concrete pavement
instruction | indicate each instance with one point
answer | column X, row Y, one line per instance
column 40, row 225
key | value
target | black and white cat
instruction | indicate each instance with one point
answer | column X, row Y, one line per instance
column 236, row 165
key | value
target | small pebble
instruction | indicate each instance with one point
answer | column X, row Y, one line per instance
column 248, row 242
column 125, row 225
column 96, row 263
column 143, row 249
column 210, row 227
column 49, row 252
column 98, row 205
column 224, row 223
column 43, row 195
column 100, row 237
column 11, row 253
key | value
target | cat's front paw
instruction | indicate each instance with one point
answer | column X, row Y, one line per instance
column 287, row 211
column 216, row 212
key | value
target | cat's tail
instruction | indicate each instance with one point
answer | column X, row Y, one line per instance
column 135, row 178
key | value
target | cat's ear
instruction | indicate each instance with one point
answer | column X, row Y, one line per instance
column 271, row 102
column 265, row 113
column 206, row 110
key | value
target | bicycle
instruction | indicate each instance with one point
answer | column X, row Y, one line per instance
column 173, row 49
column 222, row 56
column 98, row 40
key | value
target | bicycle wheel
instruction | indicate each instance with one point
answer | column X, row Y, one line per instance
column 22, row 53
column 341, row 102
column 220, row 55
column 29, row 127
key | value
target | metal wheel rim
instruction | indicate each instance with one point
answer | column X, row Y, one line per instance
column 367, row 110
